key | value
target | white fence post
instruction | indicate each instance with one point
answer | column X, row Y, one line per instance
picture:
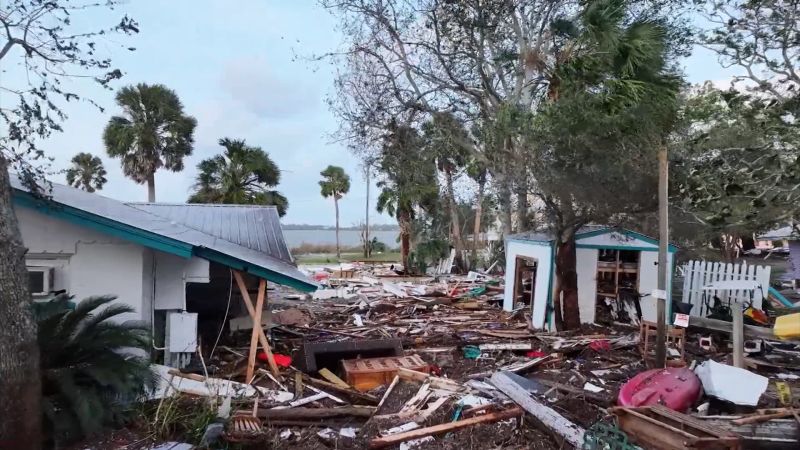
column 701, row 273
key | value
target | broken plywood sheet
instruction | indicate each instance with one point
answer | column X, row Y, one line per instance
column 168, row 385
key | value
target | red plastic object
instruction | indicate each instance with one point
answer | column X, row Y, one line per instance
column 281, row 360
column 535, row 354
column 319, row 276
column 601, row 345
column 677, row 388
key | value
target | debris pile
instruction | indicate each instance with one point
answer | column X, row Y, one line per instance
column 377, row 362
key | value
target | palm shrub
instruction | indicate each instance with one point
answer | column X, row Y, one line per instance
column 91, row 365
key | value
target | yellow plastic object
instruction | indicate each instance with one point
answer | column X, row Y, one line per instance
column 788, row 326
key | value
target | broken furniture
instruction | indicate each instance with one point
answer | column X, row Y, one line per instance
column 367, row 374
column 313, row 356
column 658, row 427
column 676, row 338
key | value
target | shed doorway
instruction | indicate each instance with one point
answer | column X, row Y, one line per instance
column 524, row 281
column 618, row 287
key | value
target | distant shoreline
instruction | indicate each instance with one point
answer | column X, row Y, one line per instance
column 380, row 227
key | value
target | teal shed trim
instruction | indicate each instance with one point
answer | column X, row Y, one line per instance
column 626, row 232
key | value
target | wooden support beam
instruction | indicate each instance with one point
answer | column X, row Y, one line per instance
column 551, row 419
column 394, row 439
column 262, row 338
column 738, row 335
column 251, row 359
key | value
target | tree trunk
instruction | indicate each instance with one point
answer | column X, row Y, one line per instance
column 458, row 243
column 476, row 230
column 151, row 188
column 567, row 280
column 504, row 201
column 20, row 386
column 522, row 208
column 336, row 206
column 368, row 245
column 404, row 220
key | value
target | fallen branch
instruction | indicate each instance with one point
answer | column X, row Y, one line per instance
column 316, row 413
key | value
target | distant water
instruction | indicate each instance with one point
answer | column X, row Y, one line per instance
column 347, row 238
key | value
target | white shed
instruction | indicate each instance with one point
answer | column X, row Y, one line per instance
column 610, row 262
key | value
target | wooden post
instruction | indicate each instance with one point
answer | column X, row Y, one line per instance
column 663, row 248
column 251, row 360
column 738, row 335
column 262, row 338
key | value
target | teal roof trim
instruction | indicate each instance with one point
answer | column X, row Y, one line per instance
column 104, row 225
column 633, row 234
column 529, row 241
column 672, row 249
column 238, row 264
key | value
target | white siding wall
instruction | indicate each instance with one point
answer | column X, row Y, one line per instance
column 542, row 253
column 172, row 273
column 648, row 281
column 587, row 282
column 86, row 262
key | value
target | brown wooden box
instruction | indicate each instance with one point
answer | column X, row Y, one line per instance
column 659, row 428
column 366, row 374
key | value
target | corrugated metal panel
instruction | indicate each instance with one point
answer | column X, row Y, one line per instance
column 255, row 227
column 276, row 259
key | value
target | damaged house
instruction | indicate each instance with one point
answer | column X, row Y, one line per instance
column 173, row 263
column 616, row 268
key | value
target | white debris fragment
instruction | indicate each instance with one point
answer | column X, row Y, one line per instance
column 415, row 443
column 592, row 387
column 726, row 383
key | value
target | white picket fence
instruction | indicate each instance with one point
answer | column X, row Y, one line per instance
column 697, row 274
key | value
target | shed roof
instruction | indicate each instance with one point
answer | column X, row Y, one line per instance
column 170, row 234
column 585, row 232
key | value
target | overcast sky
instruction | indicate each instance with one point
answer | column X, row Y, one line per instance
column 234, row 66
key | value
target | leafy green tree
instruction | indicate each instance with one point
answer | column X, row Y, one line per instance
column 48, row 50
column 335, row 183
column 152, row 133
column 736, row 165
column 242, row 175
column 611, row 107
column 408, row 184
column 91, row 365
column 87, row 172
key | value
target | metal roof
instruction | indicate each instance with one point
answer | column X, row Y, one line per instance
column 255, row 227
column 168, row 234
column 787, row 232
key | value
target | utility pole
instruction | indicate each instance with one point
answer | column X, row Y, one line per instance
column 367, row 252
column 663, row 248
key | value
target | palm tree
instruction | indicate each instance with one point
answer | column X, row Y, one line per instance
column 242, row 175
column 409, row 182
column 152, row 133
column 335, row 183
column 87, row 172
column 90, row 365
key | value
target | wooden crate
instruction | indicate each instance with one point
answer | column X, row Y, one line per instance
column 366, row 374
column 660, row 428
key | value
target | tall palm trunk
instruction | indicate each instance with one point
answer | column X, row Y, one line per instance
column 458, row 242
column 151, row 187
column 476, row 230
column 404, row 220
column 20, row 389
column 336, row 206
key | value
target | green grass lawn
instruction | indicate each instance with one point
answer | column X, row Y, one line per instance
column 346, row 257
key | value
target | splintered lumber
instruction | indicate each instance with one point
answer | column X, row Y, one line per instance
column 351, row 393
column 394, row 439
column 763, row 416
column 330, row 376
column 547, row 416
column 388, row 391
column 659, row 427
column 727, row 327
column 436, row 382
column 594, row 398
column 316, row 413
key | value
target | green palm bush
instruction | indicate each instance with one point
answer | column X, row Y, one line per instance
column 92, row 366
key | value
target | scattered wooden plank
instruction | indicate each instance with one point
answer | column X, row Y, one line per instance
column 764, row 416
column 594, row 398
column 388, row 391
column 330, row 376
column 304, row 401
column 436, row 382
column 510, row 346
column 350, row 393
column 394, row 439
column 316, row 413
column 554, row 421
column 727, row 327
